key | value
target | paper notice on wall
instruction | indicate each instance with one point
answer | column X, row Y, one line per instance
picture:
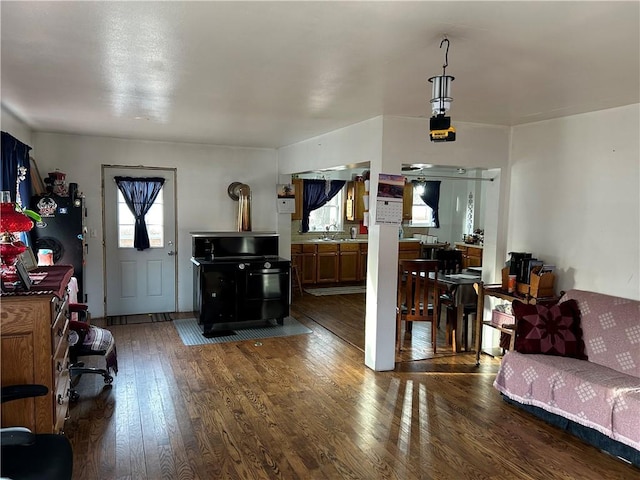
column 389, row 199
column 286, row 198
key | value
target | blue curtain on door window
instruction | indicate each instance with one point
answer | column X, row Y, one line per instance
column 139, row 194
column 431, row 196
column 15, row 174
column 316, row 194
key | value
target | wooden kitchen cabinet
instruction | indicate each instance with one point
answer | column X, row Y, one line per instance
column 349, row 262
column 364, row 253
column 337, row 262
column 308, row 264
column 355, row 193
column 299, row 190
column 35, row 350
column 407, row 201
column 471, row 255
column 327, row 263
column 408, row 250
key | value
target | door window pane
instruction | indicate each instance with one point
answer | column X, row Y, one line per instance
column 154, row 220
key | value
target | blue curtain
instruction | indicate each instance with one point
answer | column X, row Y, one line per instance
column 431, row 196
column 139, row 194
column 315, row 194
column 15, row 174
column 16, row 166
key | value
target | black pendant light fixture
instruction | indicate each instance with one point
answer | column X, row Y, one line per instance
column 440, row 129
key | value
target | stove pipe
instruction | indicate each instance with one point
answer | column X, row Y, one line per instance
column 241, row 193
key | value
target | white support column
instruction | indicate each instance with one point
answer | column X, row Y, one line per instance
column 382, row 274
column 380, row 319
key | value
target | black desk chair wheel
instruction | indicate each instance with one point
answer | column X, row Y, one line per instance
column 29, row 456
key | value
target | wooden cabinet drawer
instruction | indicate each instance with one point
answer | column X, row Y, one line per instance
column 296, row 248
column 59, row 359
column 408, row 250
column 61, row 401
column 59, row 330
column 349, row 247
column 409, row 246
column 58, row 306
column 474, row 252
column 309, row 248
column 327, row 248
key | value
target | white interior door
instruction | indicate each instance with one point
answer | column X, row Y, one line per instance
column 139, row 281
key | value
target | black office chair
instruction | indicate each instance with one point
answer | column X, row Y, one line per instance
column 29, row 456
column 89, row 340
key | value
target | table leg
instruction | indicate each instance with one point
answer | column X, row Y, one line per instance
column 479, row 315
column 459, row 344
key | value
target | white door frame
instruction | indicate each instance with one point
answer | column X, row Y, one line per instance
column 174, row 170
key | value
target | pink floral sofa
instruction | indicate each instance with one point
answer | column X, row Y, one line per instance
column 597, row 399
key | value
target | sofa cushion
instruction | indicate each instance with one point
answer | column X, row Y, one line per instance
column 550, row 330
column 611, row 330
column 584, row 392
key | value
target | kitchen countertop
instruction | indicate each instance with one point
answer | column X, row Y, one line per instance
column 463, row 244
column 347, row 240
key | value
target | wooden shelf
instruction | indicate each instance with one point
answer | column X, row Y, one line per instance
column 494, row 352
column 497, row 291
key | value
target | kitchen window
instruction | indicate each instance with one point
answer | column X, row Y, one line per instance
column 330, row 215
column 421, row 213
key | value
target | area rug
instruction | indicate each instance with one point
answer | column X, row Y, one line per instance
column 319, row 292
column 191, row 333
column 135, row 319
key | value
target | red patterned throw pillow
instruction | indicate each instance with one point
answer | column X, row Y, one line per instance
column 550, row 330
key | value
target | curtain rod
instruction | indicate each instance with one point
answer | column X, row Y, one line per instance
column 426, row 177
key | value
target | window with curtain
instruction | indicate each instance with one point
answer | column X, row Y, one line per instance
column 426, row 199
column 139, row 194
column 317, row 193
column 154, row 220
column 330, row 215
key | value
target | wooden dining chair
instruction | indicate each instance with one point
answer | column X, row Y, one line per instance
column 417, row 296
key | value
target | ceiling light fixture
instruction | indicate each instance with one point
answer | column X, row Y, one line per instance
column 440, row 129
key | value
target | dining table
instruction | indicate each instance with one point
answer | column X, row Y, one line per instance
column 461, row 287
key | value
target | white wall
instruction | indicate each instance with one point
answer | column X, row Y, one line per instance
column 358, row 143
column 476, row 146
column 575, row 198
column 14, row 126
column 203, row 174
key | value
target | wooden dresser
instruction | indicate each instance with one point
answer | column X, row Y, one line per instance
column 34, row 336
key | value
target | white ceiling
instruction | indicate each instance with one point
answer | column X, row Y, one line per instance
column 268, row 74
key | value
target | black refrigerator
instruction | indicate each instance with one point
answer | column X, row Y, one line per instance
column 61, row 230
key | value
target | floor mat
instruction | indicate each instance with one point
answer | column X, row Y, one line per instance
column 191, row 333
column 318, row 292
column 143, row 318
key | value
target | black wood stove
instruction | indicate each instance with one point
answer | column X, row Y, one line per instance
column 238, row 277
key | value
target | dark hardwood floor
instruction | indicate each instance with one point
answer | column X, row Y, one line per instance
column 306, row 407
